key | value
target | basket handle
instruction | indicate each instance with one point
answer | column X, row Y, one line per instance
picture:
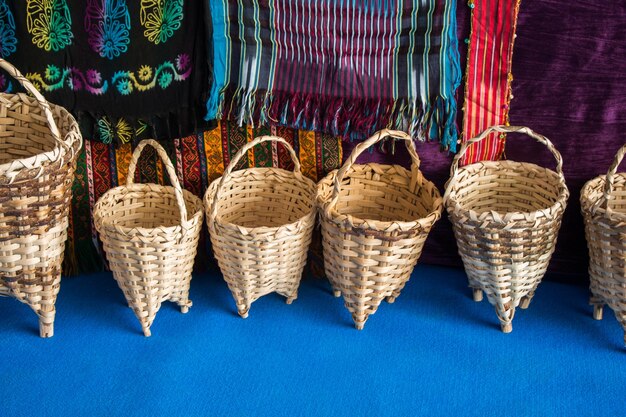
column 361, row 147
column 171, row 172
column 608, row 186
column 244, row 149
column 454, row 168
column 43, row 103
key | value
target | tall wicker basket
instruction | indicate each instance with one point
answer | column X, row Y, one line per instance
column 506, row 216
column 150, row 235
column 39, row 143
column 261, row 222
column 603, row 204
column 375, row 219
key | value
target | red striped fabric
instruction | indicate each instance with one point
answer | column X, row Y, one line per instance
column 488, row 75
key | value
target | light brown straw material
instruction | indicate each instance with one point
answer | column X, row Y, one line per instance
column 260, row 222
column 39, row 143
column 150, row 236
column 375, row 219
column 506, row 216
column 603, row 204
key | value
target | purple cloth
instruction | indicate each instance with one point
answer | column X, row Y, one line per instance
column 569, row 65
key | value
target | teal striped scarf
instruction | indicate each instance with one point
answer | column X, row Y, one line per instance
column 345, row 67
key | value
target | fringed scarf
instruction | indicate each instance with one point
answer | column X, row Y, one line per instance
column 346, row 67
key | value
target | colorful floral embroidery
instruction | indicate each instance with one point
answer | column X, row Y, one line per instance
column 55, row 78
column 145, row 73
column 146, row 78
column 165, row 79
column 125, row 82
column 121, row 130
column 50, row 23
column 161, row 18
column 8, row 40
column 107, row 23
column 125, row 87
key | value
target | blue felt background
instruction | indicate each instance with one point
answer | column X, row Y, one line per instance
column 433, row 352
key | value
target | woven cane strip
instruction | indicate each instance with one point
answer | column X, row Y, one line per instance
column 261, row 222
column 150, row 235
column 38, row 145
column 375, row 219
column 603, row 205
column 506, row 216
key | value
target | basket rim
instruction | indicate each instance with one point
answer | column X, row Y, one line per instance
column 586, row 203
column 209, row 195
column 13, row 167
column 99, row 219
column 378, row 225
column 453, row 205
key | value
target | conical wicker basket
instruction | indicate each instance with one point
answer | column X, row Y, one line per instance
column 603, row 205
column 39, row 143
column 506, row 216
column 375, row 219
column 260, row 223
column 150, row 235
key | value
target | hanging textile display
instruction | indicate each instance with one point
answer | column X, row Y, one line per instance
column 199, row 159
column 488, row 76
column 346, row 67
column 125, row 69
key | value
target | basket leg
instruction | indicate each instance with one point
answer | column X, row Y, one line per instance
column 185, row 306
column 506, row 327
column 336, row 293
column 46, row 321
column 46, row 329
column 477, row 294
column 525, row 301
column 243, row 311
column 505, row 314
column 597, row 311
column 359, row 320
column 146, row 323
column 145, row 310
column 291, row 299
column 394, row 295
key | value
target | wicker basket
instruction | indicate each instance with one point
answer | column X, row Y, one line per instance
column 260, row 222
column 39, row 143
column 603, row 204
column 150, row 235
column 374, row 224
column 506, row 216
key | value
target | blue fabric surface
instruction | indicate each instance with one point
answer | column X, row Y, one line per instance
column 433, row 352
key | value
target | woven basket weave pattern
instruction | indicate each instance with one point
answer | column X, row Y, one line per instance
column 506, row 216
column 150, row 235
column 605, row 230
column 374, row 224
column 261, row 222
column 38, row 147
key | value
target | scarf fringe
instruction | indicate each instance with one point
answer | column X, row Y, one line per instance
column 351, row 119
